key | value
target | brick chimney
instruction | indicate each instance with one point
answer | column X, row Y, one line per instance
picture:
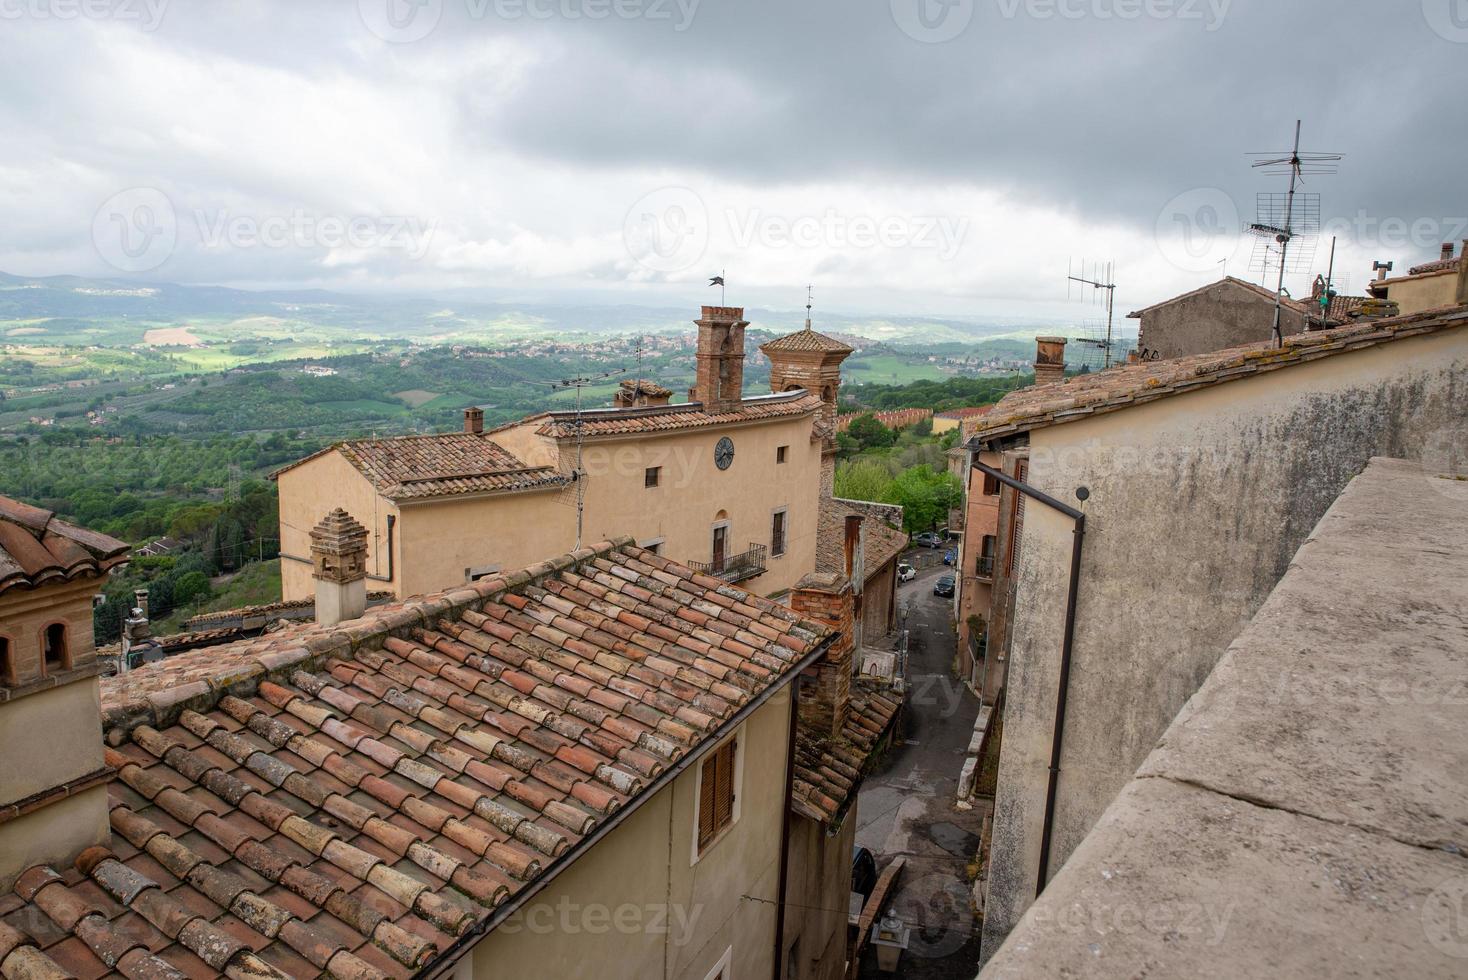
column 474, row 420
column 1461, row 296
column 1447, row 252
column 825, row 688
column 339, row 560
column 720, row 378
column 641, row 394
column 1049, row 360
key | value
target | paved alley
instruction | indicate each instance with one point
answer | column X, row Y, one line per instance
column 907, row 805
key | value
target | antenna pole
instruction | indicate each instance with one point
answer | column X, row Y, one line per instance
column 579, row 475
column 1329, row 277
column 1110, row 286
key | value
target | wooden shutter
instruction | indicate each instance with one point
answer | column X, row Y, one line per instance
column 708, row 782
column 1017, row 525
column 724, row 806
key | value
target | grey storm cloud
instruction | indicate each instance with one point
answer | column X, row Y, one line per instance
column 1100, row 110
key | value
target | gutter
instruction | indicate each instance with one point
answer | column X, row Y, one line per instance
column 444, row 964
column 1057, row 739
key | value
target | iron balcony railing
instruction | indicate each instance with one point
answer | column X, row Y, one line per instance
column 735, row 568
column 986, row 566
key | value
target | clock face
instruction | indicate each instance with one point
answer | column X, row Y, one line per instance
column 724, row 453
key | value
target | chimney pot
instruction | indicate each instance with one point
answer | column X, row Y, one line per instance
column 1447, row 251
column 140, row 601
column 1049, row 360
column 339, row 566
column 474, row 420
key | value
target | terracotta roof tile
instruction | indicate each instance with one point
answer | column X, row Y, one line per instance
column 622, row 421
column 416, row 467
column 828, row 772
column 807, row 341
column 355, row 809
column 882, row 542
column 36, row 548
column 1044, row 405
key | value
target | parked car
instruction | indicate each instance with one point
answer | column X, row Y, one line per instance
column 944, row 586
column 905, row 572
column 927, row 539
column 950, row 556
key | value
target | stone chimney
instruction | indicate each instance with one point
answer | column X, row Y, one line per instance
column 1049, row 360
column 641, row 394
column 1447, row 252
column 474, row 420
column 140, row 601
column 825, row 688
column 720, row 378
column 1461, row 298
column 339, row 557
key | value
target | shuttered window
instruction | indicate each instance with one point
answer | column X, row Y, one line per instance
column 716, row 793
column 777, row 534
column 1017, row 524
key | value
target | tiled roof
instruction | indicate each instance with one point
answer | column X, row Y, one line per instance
column 1441, row 265
column 416, row 467
column 351, row 800
column 807, row 341
column 605, row 422
column 644, row 386
column 828, row 773
column 883, row 542
column 1133, row 384
column 36, row 549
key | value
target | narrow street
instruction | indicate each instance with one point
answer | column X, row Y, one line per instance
column 907, row 807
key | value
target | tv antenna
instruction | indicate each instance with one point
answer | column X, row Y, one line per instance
column 1279, row 221
column 578, row 473
column 1101, row 279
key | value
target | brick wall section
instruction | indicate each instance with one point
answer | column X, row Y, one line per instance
column 826, row 703
column 899, row 418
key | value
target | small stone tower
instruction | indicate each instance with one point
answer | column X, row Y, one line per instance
column 339, row 557
column 720, row 380
column 1049, row 360
column 810, row 360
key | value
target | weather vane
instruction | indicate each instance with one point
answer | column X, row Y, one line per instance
column 719, row 281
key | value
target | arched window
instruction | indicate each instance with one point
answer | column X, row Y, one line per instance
column 7, row 666
column 53, row 646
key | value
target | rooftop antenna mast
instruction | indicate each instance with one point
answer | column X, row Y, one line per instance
column 1284, row 228
column 1101, row 279
column 809, row 289
column 578, row 474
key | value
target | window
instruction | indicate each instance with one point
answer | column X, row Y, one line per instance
column 652, row 476
column 991, row 485
column 986, row 556
column 1017, row 519
column 655, row 545
column 53, row 645
column 780, row 453
column 716, row 793
column 7, row 668
column 777, row 534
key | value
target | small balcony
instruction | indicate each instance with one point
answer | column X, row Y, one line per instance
column 735, row 568
column 986, row 568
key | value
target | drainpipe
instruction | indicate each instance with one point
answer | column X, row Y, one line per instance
column 1058, row 736
column 785, row 831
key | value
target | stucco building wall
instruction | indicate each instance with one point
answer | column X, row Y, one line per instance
column 678, row 917
column 307, row 494
column 440, row 540
column 1197, row 503
column 976, row 580
column 815, row 917
column 1427, row 291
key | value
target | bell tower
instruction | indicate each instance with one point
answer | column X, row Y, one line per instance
column 810, row 360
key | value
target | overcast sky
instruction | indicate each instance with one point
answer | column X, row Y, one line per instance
column 911, row 156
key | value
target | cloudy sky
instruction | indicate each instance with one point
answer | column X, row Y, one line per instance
column 905, row 156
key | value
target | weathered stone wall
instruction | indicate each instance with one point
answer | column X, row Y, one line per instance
column 1197, row 504
column 1223, row 315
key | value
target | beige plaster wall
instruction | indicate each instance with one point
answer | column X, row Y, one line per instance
column 307, row 494
column 637, row 907
column 1427, row 293
column 49, row 737
column 693, row 491
column 816, row 902
column 53, row 835
column 1198, row 502
column 438, row 540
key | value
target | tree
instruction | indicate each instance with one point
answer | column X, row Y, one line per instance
column 870, row 433
column 190, row 587
column 863, row 479
column 926, row 497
